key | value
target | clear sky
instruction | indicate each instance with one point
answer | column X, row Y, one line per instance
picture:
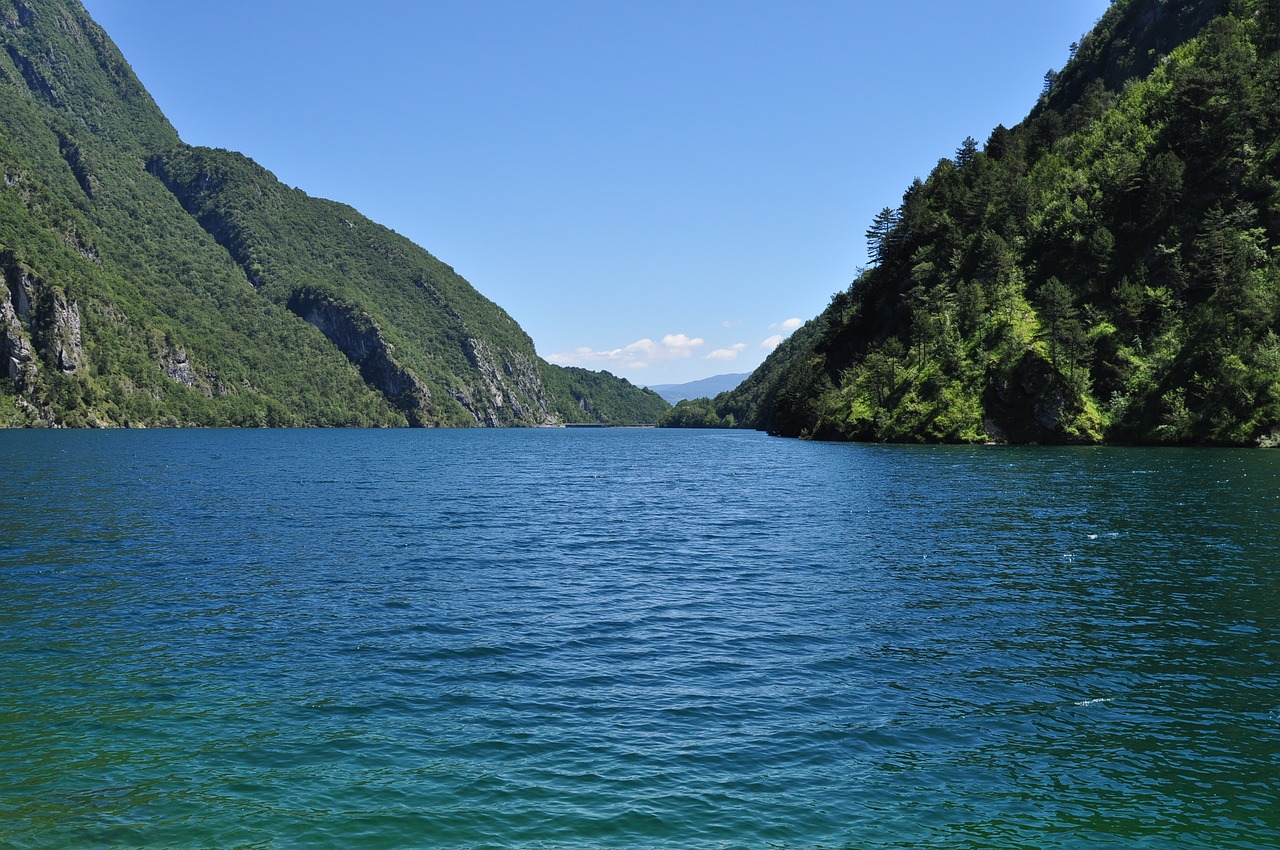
column 660, row 189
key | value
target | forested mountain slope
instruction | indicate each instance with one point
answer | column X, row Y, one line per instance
column 148, row 282
column 1109, row 269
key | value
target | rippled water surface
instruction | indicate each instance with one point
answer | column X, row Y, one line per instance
column 633, row 639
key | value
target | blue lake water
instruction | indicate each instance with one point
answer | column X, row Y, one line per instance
column 633, row 639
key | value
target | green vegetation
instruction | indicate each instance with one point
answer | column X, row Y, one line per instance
column 696, row 413
column 584, row 396
column 150, row 283
column 1107, row 270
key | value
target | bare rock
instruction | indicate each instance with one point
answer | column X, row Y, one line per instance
column 16, row 352
column 64, row 344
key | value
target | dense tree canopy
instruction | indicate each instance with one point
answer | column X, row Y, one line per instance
column 146, row 282
column 1107, row 270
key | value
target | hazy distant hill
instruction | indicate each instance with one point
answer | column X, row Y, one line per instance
column 1109, row 269
column 705, row 388
column 149, row 282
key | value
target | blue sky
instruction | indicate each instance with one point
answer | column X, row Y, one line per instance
column 660, row 189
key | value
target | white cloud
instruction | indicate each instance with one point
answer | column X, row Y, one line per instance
column 637, row 355
column 786, row 326
column 680, row 345
column 730, row 323
column 730, row 353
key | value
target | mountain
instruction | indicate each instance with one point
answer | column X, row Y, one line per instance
column 704, row 388
column 1107, row 270
column 149, row 282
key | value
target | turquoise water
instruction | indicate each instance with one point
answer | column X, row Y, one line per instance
column 618, row 638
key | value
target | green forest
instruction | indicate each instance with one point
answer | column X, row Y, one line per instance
column 1107, row 270
column 150, row 283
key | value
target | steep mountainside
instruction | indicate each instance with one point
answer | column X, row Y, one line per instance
column 148, row 282
column 1107, row 270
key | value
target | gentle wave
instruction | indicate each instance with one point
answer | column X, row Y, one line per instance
column 633, row 639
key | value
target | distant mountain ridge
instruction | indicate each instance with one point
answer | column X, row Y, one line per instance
column 1107, row 270
column 147, row 282
column 702, row 388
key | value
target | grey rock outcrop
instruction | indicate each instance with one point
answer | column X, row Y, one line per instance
column 22, row 293
column 16, row 351
column 176, row 366
column 36, row 318
column 356, row 336
column 510, row 389
column 63, row 342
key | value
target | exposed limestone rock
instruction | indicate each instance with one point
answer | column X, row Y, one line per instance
column 483, row 414
column 177, row 366
column 75, row 242
column 512, row 388
column 525, row 375
column 481, row 357
column 17, row 354
column 63, row 341
column 16, row 351
column 36, row 317
column 22, row 286
column 356, row 336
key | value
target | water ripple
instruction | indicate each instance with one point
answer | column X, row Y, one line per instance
column 634, row 639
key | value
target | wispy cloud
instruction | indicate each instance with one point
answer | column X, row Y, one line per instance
column 772, row 342
column 681, row 345
column 730, row 353
column 786, row 326
column 637, row 355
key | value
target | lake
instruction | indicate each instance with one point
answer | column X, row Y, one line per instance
column 633, row 639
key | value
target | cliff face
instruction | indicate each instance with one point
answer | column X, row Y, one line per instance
column 1107, row 270
column 17, row 300
column 148, row 282
column 358, row 338
column 418, row 332
column 39, row 325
